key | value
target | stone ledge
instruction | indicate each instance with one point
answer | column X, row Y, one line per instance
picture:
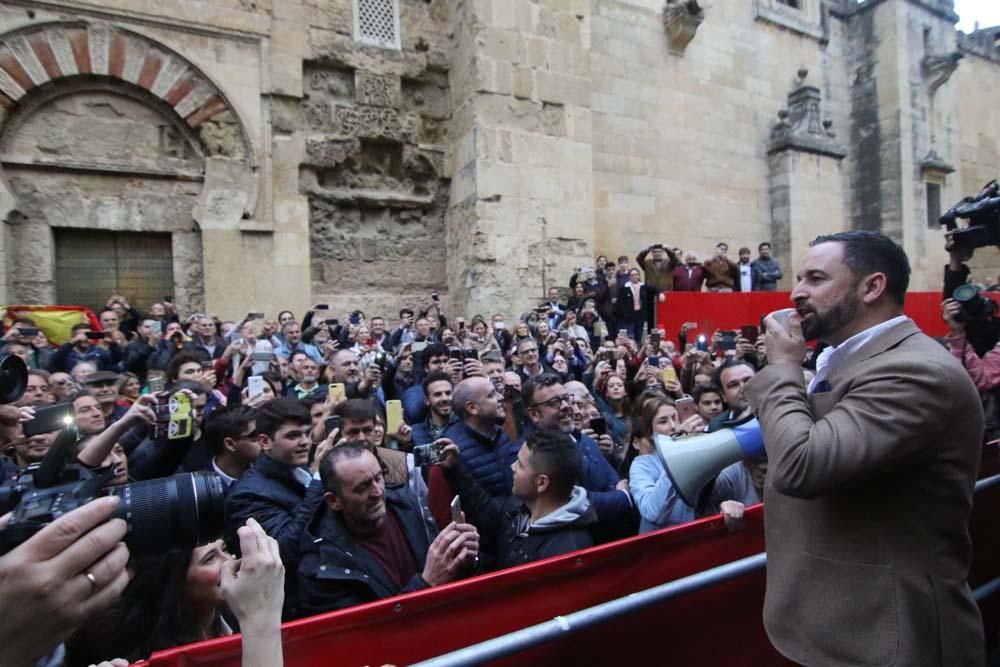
column 792, row 19
column 380, row 198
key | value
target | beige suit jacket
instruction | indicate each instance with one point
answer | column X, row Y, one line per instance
column 866, row 507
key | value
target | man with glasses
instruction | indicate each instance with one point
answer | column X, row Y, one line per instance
column 550, row 406
column 61, row 385
column 531, row 365
column 231, row 436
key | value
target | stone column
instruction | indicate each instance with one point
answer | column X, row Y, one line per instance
column 806, row 186
column 521, row 210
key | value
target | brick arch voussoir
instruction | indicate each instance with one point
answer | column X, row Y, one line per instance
column 33, row 56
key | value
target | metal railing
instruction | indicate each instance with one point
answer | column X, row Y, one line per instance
column 561, row 626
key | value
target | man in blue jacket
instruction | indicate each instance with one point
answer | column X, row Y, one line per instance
column 437, row 396
column 484, row 447
column 550, row 407
column 278, row 490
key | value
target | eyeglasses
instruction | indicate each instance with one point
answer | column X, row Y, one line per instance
column 555, row 401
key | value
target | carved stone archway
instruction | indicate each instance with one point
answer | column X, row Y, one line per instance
column 63, row 63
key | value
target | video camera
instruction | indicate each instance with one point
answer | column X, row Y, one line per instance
column 974, row 305
column 983, row 214
column 178, row 512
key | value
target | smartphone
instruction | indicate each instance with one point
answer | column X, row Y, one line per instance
column 455, row 354
column 750, row 332
column 435, row 297
column 30, row 332
column 685, row 408
column 393, row 416
column 208, row 365
column 337, row 392
column 654, row 340
column 333, row 322
column 48, row 419
column 255, row 316
column 262, row 356
column 255, row 386
column 669, row 374
column 456, row 510
column 653, row 362
column 157, row 384
column 727, row 340
column 356, row 317
column 156, row 327
column 331, row 424
column 564, row 335
column 428, row 455
column 702, row 343
column 95, row 335
column 470, row 354
column 599, row 425
column 322, row 306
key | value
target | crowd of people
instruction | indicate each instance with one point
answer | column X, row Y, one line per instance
column 363, row 458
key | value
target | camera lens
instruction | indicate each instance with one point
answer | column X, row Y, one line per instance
column 13, row 378
column 179, row 512
column 966, row 292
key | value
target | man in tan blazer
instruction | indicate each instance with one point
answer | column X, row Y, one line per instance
column 871, row 471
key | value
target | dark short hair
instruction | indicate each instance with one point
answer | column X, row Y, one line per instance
column 760, row 246
column 546, row 379
column 554, row 454
column 82, row 326
column 328, row 464
column 405, row 311
column 356, row 409
column 622, row 258
column 703, row 389
column 744, row 249
column 433, row 350
column 271, row 416
column 868, row 252
column 492, row 357
column 729, row 363
column 178, row 360
column 227, row 422
column 297, row 353
column 431, row 378
column 44, row 374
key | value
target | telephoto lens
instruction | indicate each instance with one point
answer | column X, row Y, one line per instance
column 179, row 512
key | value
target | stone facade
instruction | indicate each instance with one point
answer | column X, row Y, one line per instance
column 503, row 142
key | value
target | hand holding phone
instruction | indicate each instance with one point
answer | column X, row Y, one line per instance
column 685, row 409
column 457, row 515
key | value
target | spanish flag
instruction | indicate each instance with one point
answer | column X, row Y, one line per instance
column 56, row 321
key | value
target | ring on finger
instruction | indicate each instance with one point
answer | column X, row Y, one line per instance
column 92, row 579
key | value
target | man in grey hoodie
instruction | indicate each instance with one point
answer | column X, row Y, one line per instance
column 548, row 515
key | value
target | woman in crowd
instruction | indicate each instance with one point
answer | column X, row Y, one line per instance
column 655, row 496
column 129, row 388
column 613, row 402
column 190, row 596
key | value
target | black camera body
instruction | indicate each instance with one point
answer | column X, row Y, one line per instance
column 974, row 305
column 983, row 214
column 178, row 512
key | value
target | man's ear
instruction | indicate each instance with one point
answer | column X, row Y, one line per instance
column 333, row 501
column 873, row 287
column 228, row 444
column 265, row 442
column 542, row 483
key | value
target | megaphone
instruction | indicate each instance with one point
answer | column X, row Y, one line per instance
column 693, row 462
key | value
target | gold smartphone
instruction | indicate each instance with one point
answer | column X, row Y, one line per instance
column 393, row 416
column 337, row 392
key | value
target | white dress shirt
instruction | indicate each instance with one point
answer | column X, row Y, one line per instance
column 843, row 354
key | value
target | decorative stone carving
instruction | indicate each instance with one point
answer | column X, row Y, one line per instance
column 935, row 165
column 937, row 69
column 681, row 19
column 800, row 126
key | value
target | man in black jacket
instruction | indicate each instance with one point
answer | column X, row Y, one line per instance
column 278, row 490
column 368, row 543
column 548, row 515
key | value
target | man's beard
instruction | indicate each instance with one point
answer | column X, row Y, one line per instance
column 821, row 325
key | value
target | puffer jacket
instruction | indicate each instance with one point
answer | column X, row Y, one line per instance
column 487, row 458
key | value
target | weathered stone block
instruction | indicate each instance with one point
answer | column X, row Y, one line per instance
column 377, row 91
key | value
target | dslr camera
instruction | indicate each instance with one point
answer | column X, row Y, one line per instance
column 178, row 512
column 974, row 305
column 983, row 214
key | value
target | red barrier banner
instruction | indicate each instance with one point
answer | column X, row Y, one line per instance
column 732, row 310
column 720, row 625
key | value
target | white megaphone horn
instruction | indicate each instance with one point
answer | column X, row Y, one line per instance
column 693, row 462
